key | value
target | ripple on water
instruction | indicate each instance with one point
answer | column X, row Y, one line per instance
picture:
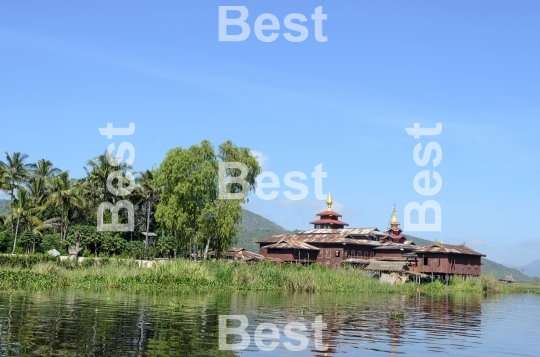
column 109, row 323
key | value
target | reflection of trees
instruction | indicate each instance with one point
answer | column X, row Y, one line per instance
column 110, row 324
column 113, row 323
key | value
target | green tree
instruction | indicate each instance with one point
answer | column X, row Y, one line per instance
column 14, row 171
column 98, row 171
column 44, row 169
column 148, row 192
column 22, row 211
column 65, row 193
column 189, row 207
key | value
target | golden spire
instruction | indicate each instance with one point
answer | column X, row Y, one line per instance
column 394, row 223
column 329, row 201
column 394, row 216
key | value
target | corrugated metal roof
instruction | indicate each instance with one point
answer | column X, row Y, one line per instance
column 345, row 231
column 379, row 265
column 361, row 236
column 447, row 248
column 291, row 244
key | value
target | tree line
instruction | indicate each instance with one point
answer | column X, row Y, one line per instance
column 177, row 200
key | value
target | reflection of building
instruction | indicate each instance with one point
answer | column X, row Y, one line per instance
column 330, row 243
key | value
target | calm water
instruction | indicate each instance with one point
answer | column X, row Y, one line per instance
column 82, row 323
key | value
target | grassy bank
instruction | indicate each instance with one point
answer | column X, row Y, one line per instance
column 18, row 273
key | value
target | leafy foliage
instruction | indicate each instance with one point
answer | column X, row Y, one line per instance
column 190, row 209
column 48, row 209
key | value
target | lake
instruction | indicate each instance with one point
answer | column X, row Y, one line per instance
column 119, row 323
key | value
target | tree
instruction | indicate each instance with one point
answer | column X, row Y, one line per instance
column 14, row 171
column 65, row 193
column 148, row 192
column 23, row 212
column 44, row 169
column 98, row 171
column 189, row 207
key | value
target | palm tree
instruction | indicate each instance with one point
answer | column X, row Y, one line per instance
column 4, row 186
column 23, row 211
column 63, row 194
column 44, row 169
column 15, row 171
column 148, row 192
column 97, row 172
column 38, row 190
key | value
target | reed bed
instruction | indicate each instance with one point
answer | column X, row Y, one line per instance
column 184, row 275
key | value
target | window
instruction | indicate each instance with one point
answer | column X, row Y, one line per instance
column 347, row 254
column 371, row 254
column 352, row 253
column 366, row 255
column 328, row 253
column 426, row 261
column 337, row 253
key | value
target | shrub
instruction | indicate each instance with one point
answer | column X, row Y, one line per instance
column 489, row 284
column 25, row 261
column 113, row 244
column 6, row 242
column 135, row 249
column 52, row 241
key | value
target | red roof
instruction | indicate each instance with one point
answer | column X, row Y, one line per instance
column 328, row 213
column 330, row 221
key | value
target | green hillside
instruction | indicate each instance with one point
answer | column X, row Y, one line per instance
column 4, row 205
column 488, row 266
column 256, row 227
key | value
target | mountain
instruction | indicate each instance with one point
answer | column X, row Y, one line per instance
column 488, row 266
column 532, row 269
column 255, row 228
column 4, row 205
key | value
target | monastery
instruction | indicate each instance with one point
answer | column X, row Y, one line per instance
column 331, row 243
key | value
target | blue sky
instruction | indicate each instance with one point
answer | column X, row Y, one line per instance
column 67, row 68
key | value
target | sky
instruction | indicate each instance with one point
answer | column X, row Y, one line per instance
column 69, row 68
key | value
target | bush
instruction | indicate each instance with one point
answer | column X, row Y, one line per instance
column 26, row 261
column 489, row 284
column 113, row 244
column 52, row 241
column 135, row 249
column 6, row 242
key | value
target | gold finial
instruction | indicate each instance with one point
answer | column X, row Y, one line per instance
column 394, row 216
column 329, row 201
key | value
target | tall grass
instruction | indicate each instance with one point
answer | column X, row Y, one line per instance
column 184, row 275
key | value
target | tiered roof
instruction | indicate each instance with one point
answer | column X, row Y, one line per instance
column 329, row 217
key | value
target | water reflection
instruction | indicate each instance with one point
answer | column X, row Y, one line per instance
column 90, row 323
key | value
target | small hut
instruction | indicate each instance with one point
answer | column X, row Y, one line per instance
column 391, row 272
column 508, row 279
column 151, row 238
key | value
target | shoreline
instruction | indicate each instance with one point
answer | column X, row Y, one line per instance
column 43, row 272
